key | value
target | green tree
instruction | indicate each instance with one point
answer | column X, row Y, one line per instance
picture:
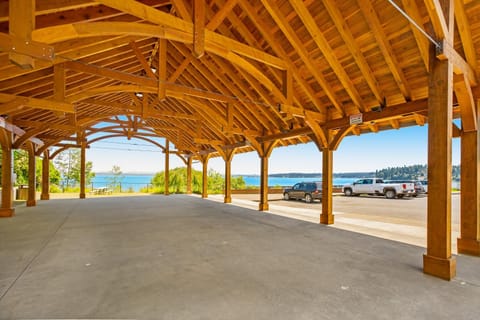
column 115, row 179
column 178, row 181
column 68, row 164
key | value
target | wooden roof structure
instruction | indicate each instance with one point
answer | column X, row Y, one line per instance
column 210, row 75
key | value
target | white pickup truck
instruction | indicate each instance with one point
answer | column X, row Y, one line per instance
column 376, row 186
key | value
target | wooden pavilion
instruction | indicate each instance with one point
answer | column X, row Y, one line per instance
column 220, row 77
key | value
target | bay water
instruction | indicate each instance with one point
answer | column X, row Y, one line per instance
column 135, row 182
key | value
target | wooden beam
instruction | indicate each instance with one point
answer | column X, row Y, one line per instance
column 295, row 41
column 143, row 62
column 182, row 10
column 464, row 95
column 198, row 28
column 339, row 21
column 162, row 69
column 327, row 51
column 221, row 14
column 439, row 22
column 460, row 66
column 37, row 103
column 412, row 10
column 327, row 217
column 438, row 261
column 20, row 47
column 164, row 19
column 21, row 25
column 383, row 43
column 465, row 31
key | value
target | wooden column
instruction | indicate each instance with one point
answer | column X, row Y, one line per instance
column 6, row 209
column 204, row 160
column 438, row 260
column 167, row 167
column 189, row 174
column 82, row 170
column 32, row 183
column 327, row 187
column 469, row 241
column 264, row 151
column 45, row 195
column 228, row 175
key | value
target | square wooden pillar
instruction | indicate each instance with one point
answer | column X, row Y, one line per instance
column 82, row 169
column 32, row 183
column 45, row 195
column 327, row 187
column 167, row 167
column 438, row 260
column 189, row 175
column 228, row 175
column 204, row 160
column 6, row 209
column 469, row 241
column 263, row 205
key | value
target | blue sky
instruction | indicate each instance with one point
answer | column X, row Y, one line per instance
column 356, row 153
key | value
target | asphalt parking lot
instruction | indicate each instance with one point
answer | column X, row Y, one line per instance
column 402, row 220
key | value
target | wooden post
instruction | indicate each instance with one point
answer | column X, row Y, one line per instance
column 22, row 23
column 189, row 175
column 82, row 170
column 264, row 152
column 32, row 183
column 228, row 175
column 6, row 209
column 469, row 241
column 45, row 195
column 327, row 187
column 167, row 167
column 438, row 260
column 204, row 160
column 263, row 205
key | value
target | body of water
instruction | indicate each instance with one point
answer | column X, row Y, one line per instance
column 136, row 182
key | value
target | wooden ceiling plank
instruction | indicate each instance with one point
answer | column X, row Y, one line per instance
column 262, row 27
column 300, row 49
column 412, row 10
column 350, row 42
column 371, row 18
column 327, row 51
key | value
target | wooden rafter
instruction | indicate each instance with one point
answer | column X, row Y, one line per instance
column 371, row 17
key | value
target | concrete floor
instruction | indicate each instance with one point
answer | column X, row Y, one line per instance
column 181, row 257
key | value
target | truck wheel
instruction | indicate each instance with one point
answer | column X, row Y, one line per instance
column 308, row 198
column 286, row 196
column 348, row 192
column 390, row 194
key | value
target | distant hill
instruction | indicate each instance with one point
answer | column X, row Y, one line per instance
column 413, row 172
